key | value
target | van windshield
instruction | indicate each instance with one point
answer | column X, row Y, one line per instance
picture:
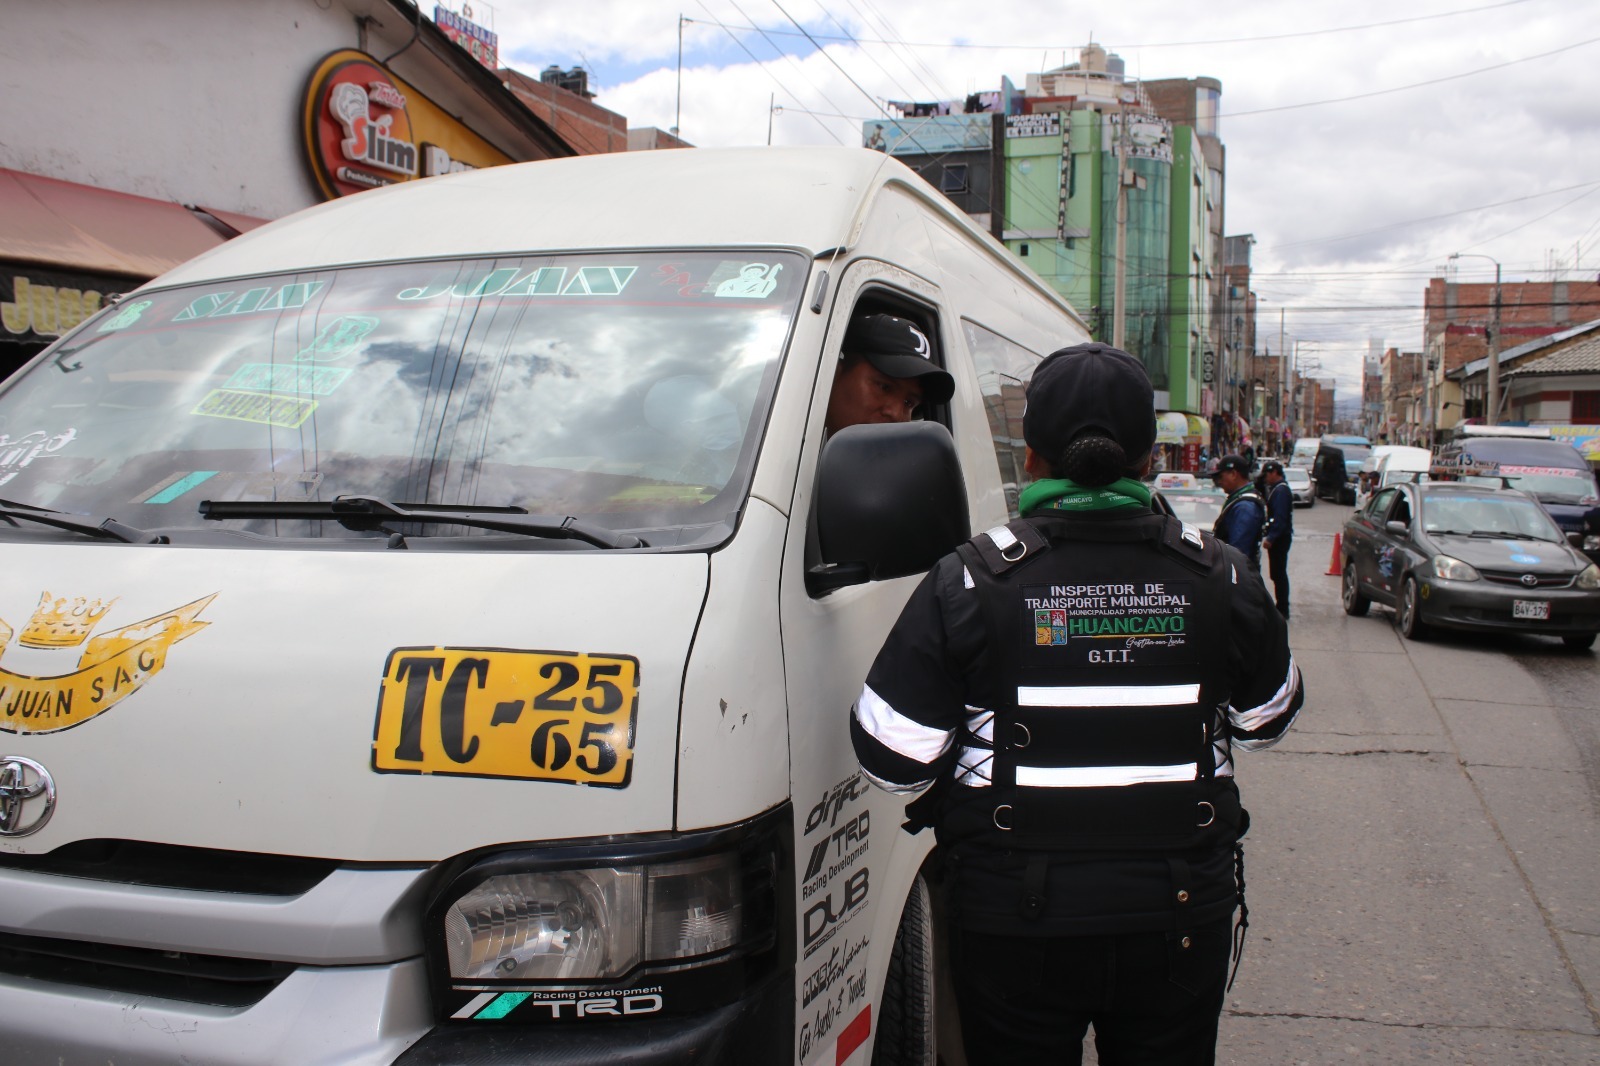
column 626, row 390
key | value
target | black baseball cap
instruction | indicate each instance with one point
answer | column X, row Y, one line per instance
column 1088, row 387
column 1272, row 466
column 899, row 349
column 1235, row 463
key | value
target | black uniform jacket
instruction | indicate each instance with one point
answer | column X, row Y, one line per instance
column 920, row 719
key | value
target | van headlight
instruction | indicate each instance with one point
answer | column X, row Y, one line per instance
column 1452, row 569
column 595, row 923
column 1590, row 578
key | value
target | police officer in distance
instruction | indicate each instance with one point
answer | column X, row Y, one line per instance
column 1067, row 692
column 1244, row 515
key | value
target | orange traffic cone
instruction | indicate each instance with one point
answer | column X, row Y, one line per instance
column 1335, row 564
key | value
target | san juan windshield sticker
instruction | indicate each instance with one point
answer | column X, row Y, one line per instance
column 110, row 668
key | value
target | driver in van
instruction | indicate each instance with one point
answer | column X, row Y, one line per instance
column 886, row 373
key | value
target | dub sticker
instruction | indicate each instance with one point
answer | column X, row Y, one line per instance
column 112, row 666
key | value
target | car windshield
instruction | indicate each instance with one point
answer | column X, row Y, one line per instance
column 1296, row 476
column 625, row 391
column 1552, row 484
column 1487, row 515
column 1198, row 506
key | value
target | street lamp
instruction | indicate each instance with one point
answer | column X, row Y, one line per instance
column 1491, row 415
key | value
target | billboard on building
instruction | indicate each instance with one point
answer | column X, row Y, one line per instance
column 925, row 136
column 482, row 43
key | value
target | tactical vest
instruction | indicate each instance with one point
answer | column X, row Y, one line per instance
column 1109, row 642
column 1252, row 499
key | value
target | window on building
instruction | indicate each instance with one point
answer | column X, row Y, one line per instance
column 954, row 178
column 1586, row 406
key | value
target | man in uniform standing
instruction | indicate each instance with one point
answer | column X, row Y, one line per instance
column 1070, row 689
column 1243, row 515
column 1278, row 532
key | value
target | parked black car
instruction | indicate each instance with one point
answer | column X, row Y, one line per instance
column 1459, row 556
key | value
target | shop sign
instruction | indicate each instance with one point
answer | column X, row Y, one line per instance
column 1047, row 124
column 365, row 128
column 37, row 306
column 482, row 44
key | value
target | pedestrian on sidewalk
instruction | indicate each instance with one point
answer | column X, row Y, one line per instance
column 1277, row 534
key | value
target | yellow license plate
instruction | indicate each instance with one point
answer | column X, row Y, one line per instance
column 494, row 712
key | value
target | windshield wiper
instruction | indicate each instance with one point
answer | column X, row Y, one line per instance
column 99, row 528
column 1499, row 534
column 368, row 513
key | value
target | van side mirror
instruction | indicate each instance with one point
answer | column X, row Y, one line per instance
column 891, row 501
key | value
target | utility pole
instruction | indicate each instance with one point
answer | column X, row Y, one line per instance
column 1283, row 354
column 677, row 113
column 1119, row 298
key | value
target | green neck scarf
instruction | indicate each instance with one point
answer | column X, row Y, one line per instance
column 1059, row 494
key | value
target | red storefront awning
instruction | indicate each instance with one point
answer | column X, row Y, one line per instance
column 79, row 227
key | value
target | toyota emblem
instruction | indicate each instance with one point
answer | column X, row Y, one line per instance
column 27, row 796
column 1530, row 580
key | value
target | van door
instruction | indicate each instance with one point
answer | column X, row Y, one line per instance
column 854, row 865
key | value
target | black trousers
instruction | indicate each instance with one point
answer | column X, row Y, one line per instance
column 1153, row 998
column 1278, row 569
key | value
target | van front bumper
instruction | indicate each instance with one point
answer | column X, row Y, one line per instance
column 757, row 1028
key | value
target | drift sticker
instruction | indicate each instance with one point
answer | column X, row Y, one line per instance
column 284, row 411
column 112, row 667
column 1115, row 622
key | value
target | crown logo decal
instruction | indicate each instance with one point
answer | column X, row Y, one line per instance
column 63, row 623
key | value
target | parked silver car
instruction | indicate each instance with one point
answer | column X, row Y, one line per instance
column 1299, row 481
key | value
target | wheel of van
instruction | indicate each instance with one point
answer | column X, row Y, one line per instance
column 1408, row 616
column 1579, row 641
column 1355, row 604
column 905, row 1025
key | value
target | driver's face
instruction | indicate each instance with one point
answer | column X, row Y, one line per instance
column 864, row 395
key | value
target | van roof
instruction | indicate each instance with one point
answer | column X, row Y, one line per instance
column 811, row 198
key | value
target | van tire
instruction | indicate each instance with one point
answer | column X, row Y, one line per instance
column 905, row 1030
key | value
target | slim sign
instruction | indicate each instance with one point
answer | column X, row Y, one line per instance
column 365, row 128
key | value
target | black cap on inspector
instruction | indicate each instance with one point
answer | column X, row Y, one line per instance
column 1089, row 387
column 899, row 349
column 1235, row 463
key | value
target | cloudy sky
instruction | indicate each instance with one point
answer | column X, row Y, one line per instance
column 1366, row 141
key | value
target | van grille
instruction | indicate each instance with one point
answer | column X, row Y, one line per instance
column 175, row 975
column 132, row 862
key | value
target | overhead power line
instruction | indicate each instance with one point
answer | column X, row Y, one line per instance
column 1414, row 85
column 1036, row 47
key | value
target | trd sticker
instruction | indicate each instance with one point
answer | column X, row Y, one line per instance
column 16, row 454
column 755, row 281
column 561, row 1004
column 835, row 853
column 226, row 303
column 112, row 666
column 284, row 411
column 494, row 712
column 127, row 316
column 300, row 380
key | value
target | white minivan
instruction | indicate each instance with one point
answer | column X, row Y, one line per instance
column 430, row 623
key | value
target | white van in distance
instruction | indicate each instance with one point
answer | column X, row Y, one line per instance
column 430, row 623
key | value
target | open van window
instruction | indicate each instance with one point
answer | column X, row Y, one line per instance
column 626, row 390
